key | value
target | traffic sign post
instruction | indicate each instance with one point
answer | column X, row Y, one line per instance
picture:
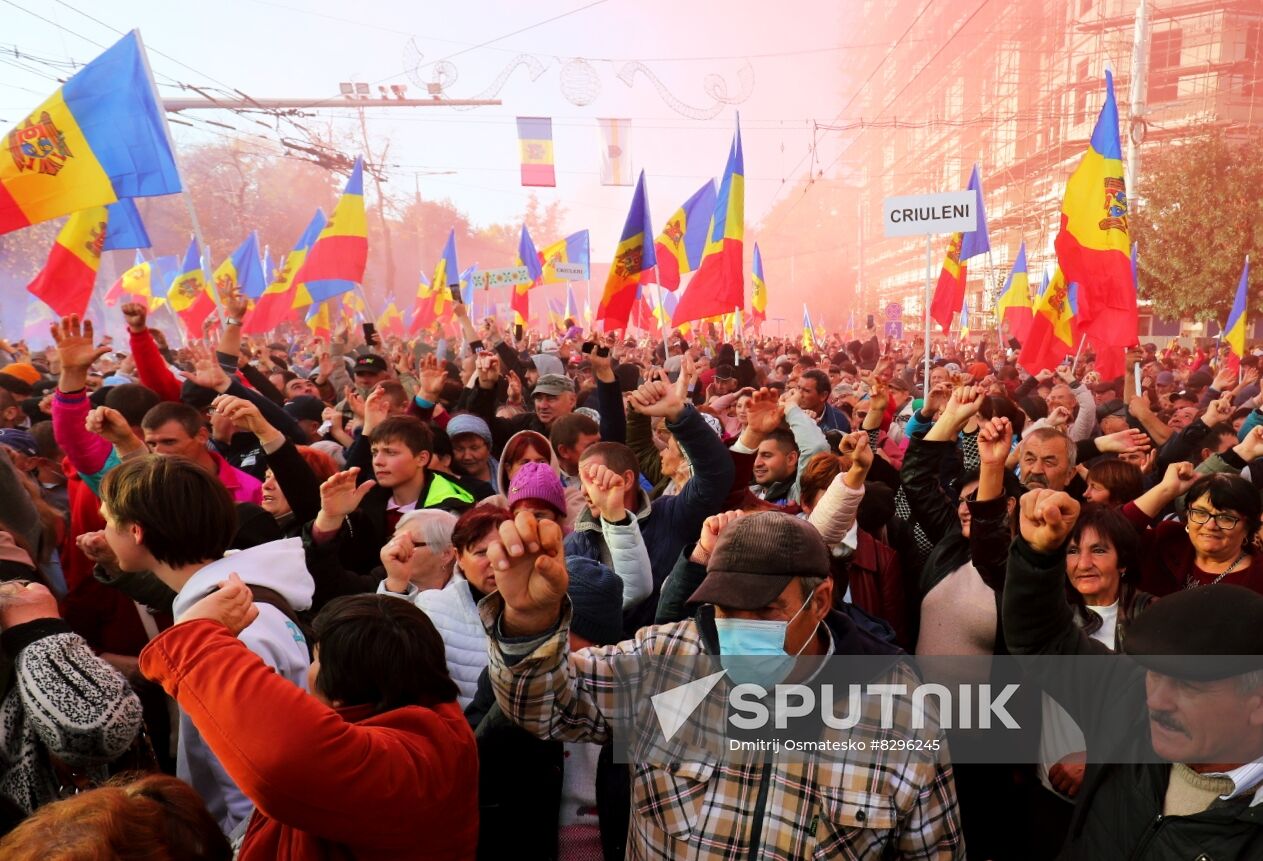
column 928, row 214
column 894, row 330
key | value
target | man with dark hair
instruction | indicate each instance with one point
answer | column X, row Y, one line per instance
column 175, row 429
column 776, row 466
column 570, row 436
column 397, row 479
column 813, row 396
column 165, row 515
column 11, row 415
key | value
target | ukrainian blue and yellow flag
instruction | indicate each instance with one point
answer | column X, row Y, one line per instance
column 282, row 295
column 718, row 286
column 680, row 245
column 1093, row 245
column 575, row 248
column 633, row 256
column 100, row 138
column 758, row 300
column 1234, row 331
column 335, row 263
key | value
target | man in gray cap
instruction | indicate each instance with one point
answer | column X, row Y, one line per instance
column 1174, row 726
column 769, row 593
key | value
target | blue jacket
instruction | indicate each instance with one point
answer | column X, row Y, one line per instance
column 834, row 419
column 669, row 522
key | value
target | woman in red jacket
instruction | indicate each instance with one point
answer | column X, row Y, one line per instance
column 377, row 762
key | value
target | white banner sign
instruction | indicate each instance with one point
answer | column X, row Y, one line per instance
column 486, row 278
column 570, row 271
column 922, row 214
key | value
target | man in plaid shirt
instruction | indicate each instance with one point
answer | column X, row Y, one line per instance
column 764, row 568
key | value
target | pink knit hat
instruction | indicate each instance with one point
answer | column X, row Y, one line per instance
column 538, row 481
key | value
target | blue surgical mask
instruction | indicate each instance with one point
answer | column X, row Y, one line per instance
column 753, row 650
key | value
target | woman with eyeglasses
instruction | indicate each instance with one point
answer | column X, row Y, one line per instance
column 1216, row 541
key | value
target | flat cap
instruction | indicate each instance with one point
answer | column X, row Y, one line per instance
column 756, row 557
column 1200, row 635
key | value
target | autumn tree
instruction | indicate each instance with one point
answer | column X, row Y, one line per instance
column 1200, row 214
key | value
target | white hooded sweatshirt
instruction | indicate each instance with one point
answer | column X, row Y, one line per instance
column 277, row 565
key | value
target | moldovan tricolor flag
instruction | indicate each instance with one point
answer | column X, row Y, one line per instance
column 336, row 261
column 391, row 321
column 758, row 300
column 189, row 296
column 616, row 166
column 526, row 256
column 718, row 285
column 949, row 293
column 1014, row 305
column 809, row 333
column 100, row 138
column 145, row 282
column 633, row 256
column 535, row 141
column 242, row 271
column 575, row 248
column 279, row 299
column 1051, row 337
column 124, row 228
column 681, row 244
column 1234, row 331
column 65, row 283
column 423, row 307
column 1093, row 245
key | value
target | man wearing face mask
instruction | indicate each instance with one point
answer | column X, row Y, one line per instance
column 768, row 599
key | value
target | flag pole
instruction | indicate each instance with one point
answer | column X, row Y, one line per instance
column 666, row 331
column 1079, row 352
column 929, row 271
column 175, row 157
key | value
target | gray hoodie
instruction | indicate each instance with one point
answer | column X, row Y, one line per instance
column 277, row 565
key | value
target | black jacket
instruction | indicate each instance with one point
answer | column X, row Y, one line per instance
column 1118, row 812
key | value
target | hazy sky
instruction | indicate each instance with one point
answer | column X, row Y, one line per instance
column 303, row 49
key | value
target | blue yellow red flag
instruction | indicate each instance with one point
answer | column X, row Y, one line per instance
column 1234, row 331
column 1051, row 336
column 282, row 294
column 809, row 333
column 242, row 270
column 680, row 245
column 575, row 248
column 718, row 285
column 633, row 256
column 976, row 241
column 146, row 281
column 422, row 316
column 758, row 299
column 1014, row 308
column 1093, row 244
column 535, row 142
column 65, row 283
column 527, row 256
column 949, row 292
column 189, row 294
column 99, row 138
column 336, row 260
column 124, row 228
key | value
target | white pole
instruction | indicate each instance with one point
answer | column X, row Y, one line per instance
column 665, row 325
column 929, row 273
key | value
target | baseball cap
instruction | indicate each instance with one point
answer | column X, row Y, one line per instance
column 1176, row 636
column 756, row 557
column 554, row 384
column 1166, row 378
column 370, row 364
column 18, row 440
column 306, row 408
column 548, row 346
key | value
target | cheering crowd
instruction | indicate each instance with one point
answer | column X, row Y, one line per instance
column 363, row 598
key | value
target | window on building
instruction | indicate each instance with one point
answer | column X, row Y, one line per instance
column 1252, row 77
column 1085, row 6
column 1081, row 93
column 1164, row 65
